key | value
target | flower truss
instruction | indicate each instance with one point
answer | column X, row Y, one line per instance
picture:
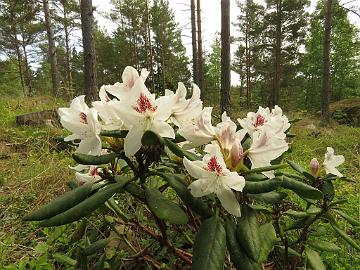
column 229, row 151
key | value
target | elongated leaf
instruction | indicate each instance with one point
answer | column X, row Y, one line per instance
column 63, row 259
column 114, row 133
column 179, row 151
column 87, row 206
column 269, row 197
column 93, row 160
column 95, row 247
column 267, row 168
column 196, row 204
column 296, row 166
column 151, row 138
column 237, row 254
column 262, row 186
column 255, row 177
column 164, row 208
column 344, row 235
column 60, row 204
column 314, row 259
column 298, row 214
column 248, row 233
column 341, row 201
column 302, row 189
column 349, row 219
column 268, row 240
column 290, row 251
column 210, row 245
column 323, row 245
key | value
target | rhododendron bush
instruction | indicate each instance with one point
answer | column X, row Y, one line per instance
column 212, row 196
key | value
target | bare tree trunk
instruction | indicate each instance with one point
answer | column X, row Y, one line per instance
column 89, row 48
column 200, row 51
column 19, row 60
column 275, row 93
column 27, row 71
column 326, row 62
column 52, row 48
column 194, row 43
column 67, row 47
column 247, row 56
column 148, row 36
column 225, row 57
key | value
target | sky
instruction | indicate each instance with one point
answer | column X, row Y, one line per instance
column 210, row 21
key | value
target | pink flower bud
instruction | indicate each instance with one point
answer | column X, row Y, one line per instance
column 314, row 166
column 237, row 152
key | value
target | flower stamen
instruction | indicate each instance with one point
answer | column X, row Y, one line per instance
column 144, row 104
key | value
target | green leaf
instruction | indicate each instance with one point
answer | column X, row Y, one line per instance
column 151, row 138
column 60, row 204
column 114, row 133
column 323, row 245
column 343, row 234
column 341, row 201
column 348, row 218
column 179, row 151
column 163, row 208
column 269, row 197
column 302, row 189
column 290, row 251
column 63, row 259
column 267, row 168
column 135, row 190
column 327, row 188
column 296, row 166
column 196, row 204
column 268, row 240
column 93, row 160
column 314, row 259
column 248, row 232
column 313, row 210
column 95, row 247
column 262, row 186
column 87, row 206
column 298, row 214
column 210, row 245
column 237, row 254
column 255, row 177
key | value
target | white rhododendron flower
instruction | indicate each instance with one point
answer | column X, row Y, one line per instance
column 83, row 123
column 185, row 111
column 332, row 161
column 214, row 177
column 129, row 77
column 142, row 112
column 273, row 121
column 200, row 133
column 107, row 111
column 265, row 147
column 91, row 175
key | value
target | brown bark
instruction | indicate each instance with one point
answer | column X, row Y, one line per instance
column 27, row 71
column 89, row 48
column 194, row 42
column 19, row 60
column 225, row 57
column 200, row 51
column 67, row 47
column 148, row 37
column 247, row 56
column 326, row 62
column 275, row 93
column 52, row 48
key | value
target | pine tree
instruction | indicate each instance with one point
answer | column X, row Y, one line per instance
column 225, row 57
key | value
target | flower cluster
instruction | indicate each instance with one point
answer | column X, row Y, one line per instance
column 229, row 148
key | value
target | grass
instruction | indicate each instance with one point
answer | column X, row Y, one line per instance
column 32, row 172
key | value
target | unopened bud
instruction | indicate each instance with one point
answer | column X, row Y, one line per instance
column 314, row 166
column 237, row 153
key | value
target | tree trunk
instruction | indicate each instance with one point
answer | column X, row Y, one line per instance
column 89, row 49
column 326, row 62
column 200, row 52
column 27, row 71
column 19, row 60
column 194, row 43
column 225, row 57
column 275, row 93
column 148, row 37
column 247, row 56
column 67, row 48
column 52, row 48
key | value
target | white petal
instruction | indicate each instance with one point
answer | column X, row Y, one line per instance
column 72, row 137
column 234, row 181
column 194, row 168
column 163, row 129
column 229, row 202
column 132, row 142
column 164, row 108
column 200, row 187
column 90, row 146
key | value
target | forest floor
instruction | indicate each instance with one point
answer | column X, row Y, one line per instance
column 33, row 171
